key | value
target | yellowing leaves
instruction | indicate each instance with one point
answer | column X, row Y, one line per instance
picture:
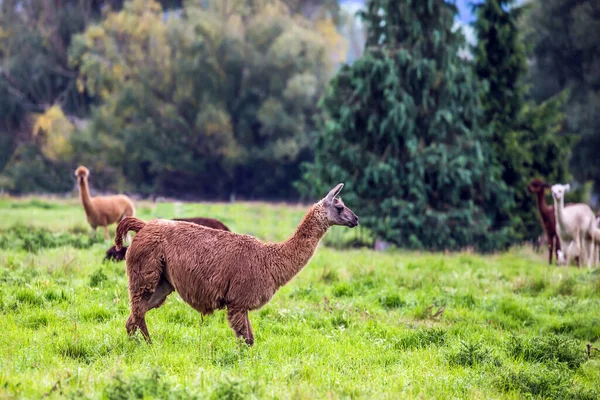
column 336, row 44
column 93, row 34
column 53, row 130
column 122, row 47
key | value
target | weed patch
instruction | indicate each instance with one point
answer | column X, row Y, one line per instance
column 530, row 380
column 97, row 278
column 421, row 338
column 566, row 287
column 547, row 349
column 33, row 239
column 54, row 296
column 392, row 300
column 28, row 297
column 150, row 386
column 235, row 389
column 471, row 354
column 515, row 312
column 587, row 329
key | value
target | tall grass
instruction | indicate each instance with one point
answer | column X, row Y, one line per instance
column 353, row 324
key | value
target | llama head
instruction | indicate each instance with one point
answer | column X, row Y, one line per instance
column 335, row 211
column 558, row 190
column 537, row 185
column 81, row 173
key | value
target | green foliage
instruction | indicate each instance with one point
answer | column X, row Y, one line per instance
column 35, row 239
column 151, row 385
column 547, row 349
column 527, row 139
column 209, row 92
column 422, row 338
column 234, row 389
column 402, row 131
column 565, row 54
column 29, row 171
column 470, row 354
column 97, row 278
column 35, row 76
column 163, row 102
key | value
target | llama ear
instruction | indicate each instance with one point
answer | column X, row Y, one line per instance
column 567, row 187
column 334, row 192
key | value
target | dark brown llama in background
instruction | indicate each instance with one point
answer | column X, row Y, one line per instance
column 547, row 217
column 119, row 255
column 546, row 213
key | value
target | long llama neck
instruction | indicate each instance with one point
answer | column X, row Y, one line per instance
column 84, row 195
column 542, row 206
column 558, row 210
column 293, row 254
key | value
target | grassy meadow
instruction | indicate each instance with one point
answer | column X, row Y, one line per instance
column 354, row 323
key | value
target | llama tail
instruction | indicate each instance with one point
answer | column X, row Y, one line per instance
column 127, row 224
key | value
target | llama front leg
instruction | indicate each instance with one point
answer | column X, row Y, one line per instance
column 106, row 237
column 550, row 248
column 590, row 253
column 557, row 246
column 569, row 253
column 239, row 322
column 579, row 248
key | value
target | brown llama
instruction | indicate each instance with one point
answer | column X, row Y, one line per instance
column 119, row 255
column 213, row 269
column 547, row 217
column 102, row 210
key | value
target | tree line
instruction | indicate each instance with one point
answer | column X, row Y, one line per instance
column 435, row 138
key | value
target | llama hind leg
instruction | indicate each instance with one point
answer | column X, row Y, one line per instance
column 149, row 301
column 106, row 236
column 590, row 255
column 159, row 296
column 239, row 322
column 143, row 284
column 569, row 252
column 550, row 248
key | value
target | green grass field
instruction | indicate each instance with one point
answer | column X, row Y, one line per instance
column 353, row 324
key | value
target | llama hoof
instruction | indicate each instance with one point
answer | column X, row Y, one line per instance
column 245, row 342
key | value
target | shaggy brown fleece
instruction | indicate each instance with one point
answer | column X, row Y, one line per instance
column 213, row 269
column 102, row 210
column 119, row 255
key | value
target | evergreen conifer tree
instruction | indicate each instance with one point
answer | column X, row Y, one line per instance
column 526, row 138
column 401, row 129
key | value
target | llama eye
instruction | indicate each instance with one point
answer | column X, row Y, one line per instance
column 340, row 209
